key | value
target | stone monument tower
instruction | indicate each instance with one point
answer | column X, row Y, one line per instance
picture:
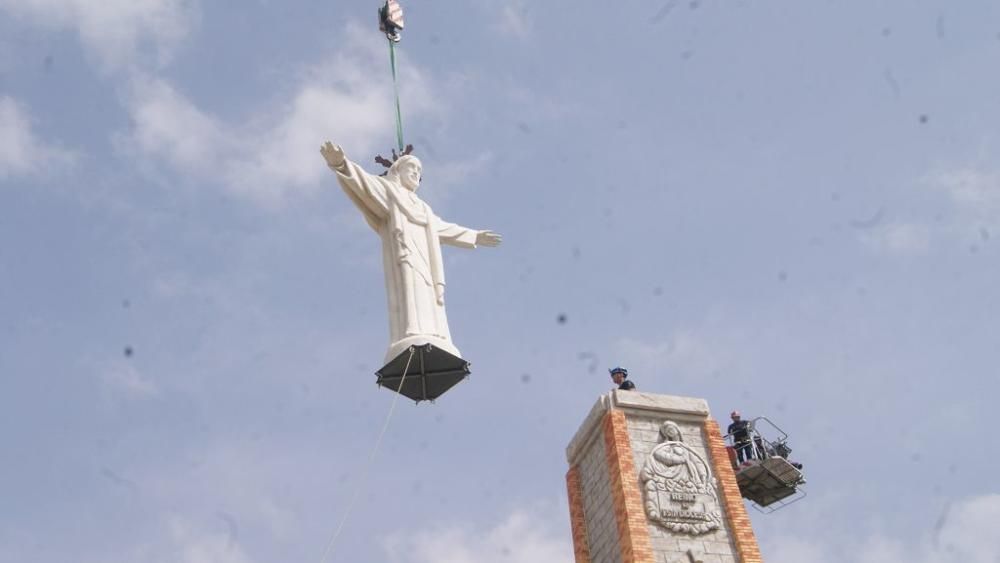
column 650, row 481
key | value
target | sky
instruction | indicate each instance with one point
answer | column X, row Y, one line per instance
column 792, row 209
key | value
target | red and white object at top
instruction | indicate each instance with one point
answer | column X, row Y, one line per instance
column 391, row 19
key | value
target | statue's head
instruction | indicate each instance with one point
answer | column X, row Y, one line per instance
column 670, row 432
column 406, row 170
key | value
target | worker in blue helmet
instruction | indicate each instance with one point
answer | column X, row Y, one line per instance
column 620, row 376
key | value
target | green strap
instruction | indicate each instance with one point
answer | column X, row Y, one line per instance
column 395, row 88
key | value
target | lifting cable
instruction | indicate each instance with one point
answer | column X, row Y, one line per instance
column 368, row 465
column 395, row 89
column 390, row 22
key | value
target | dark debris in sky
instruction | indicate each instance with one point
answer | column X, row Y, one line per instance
column 890, row 79
column 870, row 222
column 624, row 305
column 663, row 12
column 592, row 361
column 117, row 479
column 233, row 528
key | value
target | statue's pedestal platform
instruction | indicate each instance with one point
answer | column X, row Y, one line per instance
column 431, row 372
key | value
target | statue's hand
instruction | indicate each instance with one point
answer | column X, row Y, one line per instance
column 488, row 238
column 439, row 293
column 333, row 154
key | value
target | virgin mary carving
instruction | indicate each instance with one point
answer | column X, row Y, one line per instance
column 678, row 486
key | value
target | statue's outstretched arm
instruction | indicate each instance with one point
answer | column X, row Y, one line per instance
column 488, row 238
column 366, row 190
column 334, row 155
column 457, row 235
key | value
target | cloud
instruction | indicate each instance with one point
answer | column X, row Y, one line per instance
column 192, row 544
column 685, row 352
column 974, row 191
column 168, row 125
column 964, row 534
column 212, row 503
column 794, row 549
column 514, row 20
column 898, row 238
column 967, row 532
column 123, row 379
column 22, row 153
column 964, row 201
column 447, row 176
column 115, row 31
column 523, row 536
column 276, row 154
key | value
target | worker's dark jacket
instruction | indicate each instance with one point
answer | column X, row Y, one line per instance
column 627, row 386
column 739, row 432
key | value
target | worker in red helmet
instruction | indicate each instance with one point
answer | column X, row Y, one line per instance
column 740, row 431
column 620, row 376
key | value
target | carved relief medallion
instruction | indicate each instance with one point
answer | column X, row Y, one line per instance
column 680, row 492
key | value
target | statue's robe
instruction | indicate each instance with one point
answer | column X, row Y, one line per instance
column 411, row 255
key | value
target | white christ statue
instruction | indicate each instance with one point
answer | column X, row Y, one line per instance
column 411, row 247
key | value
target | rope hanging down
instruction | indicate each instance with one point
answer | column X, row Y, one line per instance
column 368, row 465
